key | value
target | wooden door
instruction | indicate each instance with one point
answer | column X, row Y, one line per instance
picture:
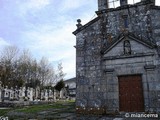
column 131, row 94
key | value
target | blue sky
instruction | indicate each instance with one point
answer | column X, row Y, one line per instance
column 45, row 27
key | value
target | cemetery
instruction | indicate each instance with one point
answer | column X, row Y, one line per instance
column 28, row 103
column 26, row 96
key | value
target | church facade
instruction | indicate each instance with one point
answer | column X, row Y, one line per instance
column 118, row 58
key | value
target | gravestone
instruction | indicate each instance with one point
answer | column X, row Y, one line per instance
column 50, row 96
column 6, row 93
column 55, row 94
column 46, row 94
column 21, row 94
column 11, row 95
column 16, row 93
column 43, row 95
column 30, row 94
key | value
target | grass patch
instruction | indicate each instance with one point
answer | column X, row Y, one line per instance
column 4, row 111
column 38, row 108
column 71, row 101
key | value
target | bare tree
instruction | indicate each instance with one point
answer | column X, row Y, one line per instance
column 9, row 53
column 44, row 70
column 8, row 58
column 19, row 69
column 51, row 76
column 24, row 64
column 60, row 74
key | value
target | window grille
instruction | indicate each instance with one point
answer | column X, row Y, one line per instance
column 116, row 3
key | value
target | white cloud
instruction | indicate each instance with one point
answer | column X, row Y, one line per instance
column 75, row 4
column 38, row 4
column 69, row 67
column 44, row 37
column 31, row 6
column 3, row 43
column 72, row 4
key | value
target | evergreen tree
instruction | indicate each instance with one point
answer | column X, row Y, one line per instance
column 60, row 85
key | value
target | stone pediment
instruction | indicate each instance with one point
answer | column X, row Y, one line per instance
column 128, row 46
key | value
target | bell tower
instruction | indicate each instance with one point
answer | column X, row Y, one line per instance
column 102, row 4
column 151, row 1
column 123, row 2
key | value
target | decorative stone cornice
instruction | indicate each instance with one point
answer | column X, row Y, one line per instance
column 149, row 67
column 128, row 56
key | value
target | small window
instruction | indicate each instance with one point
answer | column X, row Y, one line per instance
column 113, row 3
column 157, row 3
column 133, row 1
column 125, row 18
column 126, row 22
column 116, row 3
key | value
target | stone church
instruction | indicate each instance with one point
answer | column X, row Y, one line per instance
column 118, row 58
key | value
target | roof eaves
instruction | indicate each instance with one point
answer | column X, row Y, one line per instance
column 113, row 43
column 86, row 25
column 142, row 41
column 131, row 36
